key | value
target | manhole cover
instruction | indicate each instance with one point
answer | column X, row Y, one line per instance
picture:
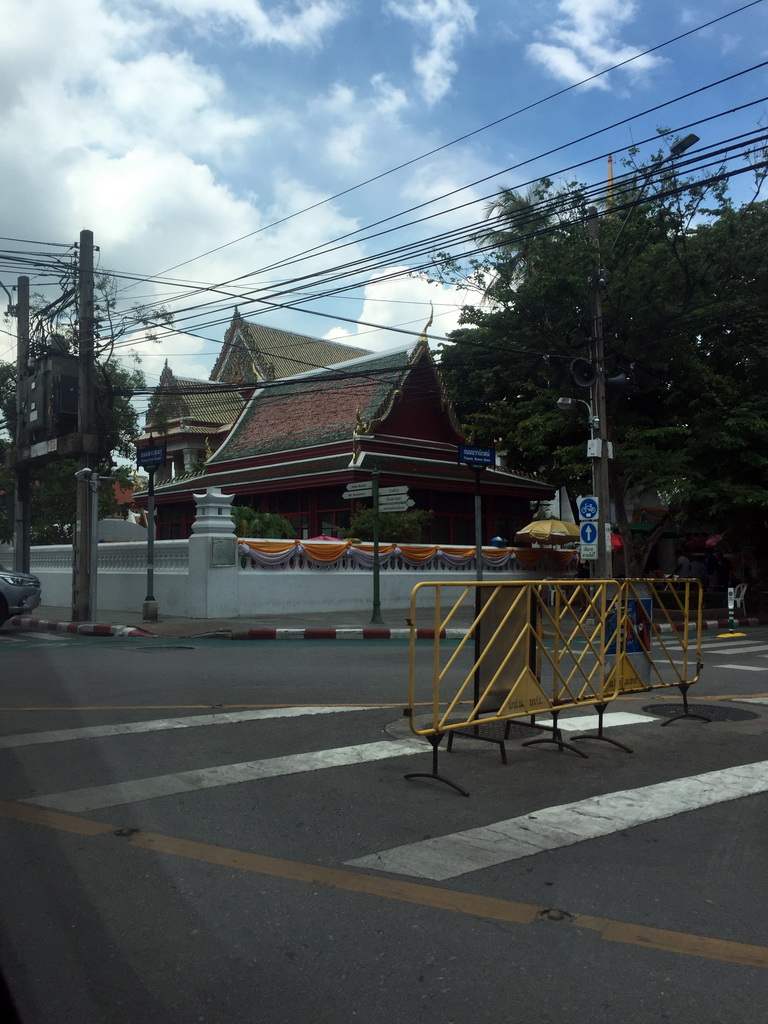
column 715, row 712
column 496, row 731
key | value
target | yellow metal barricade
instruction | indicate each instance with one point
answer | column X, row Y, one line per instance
column 527, row 648
column 514, row 649
column 662, row 623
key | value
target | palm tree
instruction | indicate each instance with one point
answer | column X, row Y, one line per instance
column 515, row 221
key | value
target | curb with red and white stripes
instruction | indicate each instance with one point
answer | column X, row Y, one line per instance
column 310, row 633
column 81, row 628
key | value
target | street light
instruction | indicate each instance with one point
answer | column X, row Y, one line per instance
column 565, row 404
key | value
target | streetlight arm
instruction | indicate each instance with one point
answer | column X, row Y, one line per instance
column 565, row 403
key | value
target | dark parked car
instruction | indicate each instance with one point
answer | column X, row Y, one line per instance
column 19, row 593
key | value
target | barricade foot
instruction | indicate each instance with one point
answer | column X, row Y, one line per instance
column 556, row 738
column 475, row 735
column 435, row 774
column 600, row 708
column 687, row 713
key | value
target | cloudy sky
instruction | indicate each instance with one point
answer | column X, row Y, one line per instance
column 241, row 152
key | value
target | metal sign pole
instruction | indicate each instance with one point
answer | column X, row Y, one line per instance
column 376, row 612
column 95, row 485
column 478, row 525
column 149, row 610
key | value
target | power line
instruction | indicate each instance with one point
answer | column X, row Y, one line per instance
column 468, row 135
column 437, row 240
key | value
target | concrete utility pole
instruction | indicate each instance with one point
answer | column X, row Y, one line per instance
column 86, row 530
column 600, row 469
column 21, row 515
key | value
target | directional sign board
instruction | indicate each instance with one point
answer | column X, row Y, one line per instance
column 363, row 490
column 150, row 458
column 477, row 457
column 401, row 506
column 387, row 504
column 589, row 508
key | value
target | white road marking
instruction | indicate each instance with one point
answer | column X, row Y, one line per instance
column 553, row 827
column 739, row 648
column 88, row 732
column 744, row 668
column 578, row 723
column 79, row 800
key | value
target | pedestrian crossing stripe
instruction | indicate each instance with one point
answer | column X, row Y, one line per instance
column 551, row 828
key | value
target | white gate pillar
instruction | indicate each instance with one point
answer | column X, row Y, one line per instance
column 213, row 589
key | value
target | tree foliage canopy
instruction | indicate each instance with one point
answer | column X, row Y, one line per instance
column 685, row 319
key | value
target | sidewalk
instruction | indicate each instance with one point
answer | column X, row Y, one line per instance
column 317, row 625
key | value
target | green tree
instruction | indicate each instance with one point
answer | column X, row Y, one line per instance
column 685, row 318
column 251, row 523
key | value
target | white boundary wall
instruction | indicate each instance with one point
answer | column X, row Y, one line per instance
column 202, row 577
column 205, row 591
column 122, row 580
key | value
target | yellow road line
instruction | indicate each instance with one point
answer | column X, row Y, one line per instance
column 53, row 819
column 471, row 904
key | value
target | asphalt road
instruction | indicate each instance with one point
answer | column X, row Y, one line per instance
column 221, row 832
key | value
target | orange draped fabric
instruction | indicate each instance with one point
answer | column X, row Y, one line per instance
column 326, row 551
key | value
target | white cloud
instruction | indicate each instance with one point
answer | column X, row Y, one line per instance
column 355, row 121
column 585, row 40
column 402, row 302
column 448, row 22
column 119, row 118
column 388, row 99
column 302, row 25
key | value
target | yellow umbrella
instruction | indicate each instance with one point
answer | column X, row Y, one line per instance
column 549, row 531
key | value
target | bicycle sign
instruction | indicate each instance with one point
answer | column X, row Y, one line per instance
column 588, row 508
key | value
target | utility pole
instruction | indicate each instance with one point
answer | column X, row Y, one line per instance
column 86, row 529
column 600, row 469
column 21, row 515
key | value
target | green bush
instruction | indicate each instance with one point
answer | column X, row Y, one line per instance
column 250, row 523
column 404, row 527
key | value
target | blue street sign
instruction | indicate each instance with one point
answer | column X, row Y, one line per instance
column 150, row 458
column 477, row 456
column 588, row 508
column 588, row 533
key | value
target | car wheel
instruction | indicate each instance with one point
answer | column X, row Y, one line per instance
column 4, row 616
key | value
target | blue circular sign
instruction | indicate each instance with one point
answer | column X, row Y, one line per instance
column 588, row 508
column 588, row 533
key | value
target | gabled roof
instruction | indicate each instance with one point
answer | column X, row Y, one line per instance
column 198, row 402
column 321, row 407
column 254, row 352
